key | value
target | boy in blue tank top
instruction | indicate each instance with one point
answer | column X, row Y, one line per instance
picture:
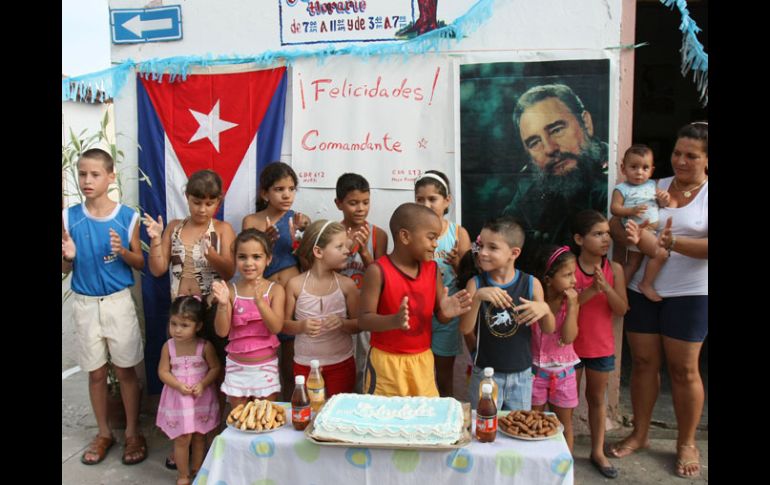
column 506, row 301
column 93, row 246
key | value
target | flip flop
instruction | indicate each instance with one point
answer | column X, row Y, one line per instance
column 681, row 465
column 607, row 471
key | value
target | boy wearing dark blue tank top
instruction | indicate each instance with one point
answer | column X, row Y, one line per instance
column 506, row 301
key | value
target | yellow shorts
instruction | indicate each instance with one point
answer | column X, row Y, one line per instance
column 107, row 323
column 388, row 374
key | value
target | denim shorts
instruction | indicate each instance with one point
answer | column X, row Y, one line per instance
column 598, row 364
column 678, row 317
column 514, row 389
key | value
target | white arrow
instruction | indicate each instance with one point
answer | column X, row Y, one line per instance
column 137, row 26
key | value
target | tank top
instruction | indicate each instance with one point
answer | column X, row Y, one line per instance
column 202, row 271
column 421, row 291
column 328, row 347
column 355, row 268
column 546, row 349
column 248, row 332
column 500, row 342
column 595, row 337
column 282, row 250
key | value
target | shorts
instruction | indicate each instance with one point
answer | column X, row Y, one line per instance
column 245, row 380
column 445, row 341
column 285, row 337
column 598, row 364
column 558, row 388
column 678, row 317
column 514, row 389
column 339, row 377
column 107, row 324
column 389, row 374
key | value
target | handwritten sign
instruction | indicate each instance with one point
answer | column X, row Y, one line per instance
column 388, row 120
column 322, row 21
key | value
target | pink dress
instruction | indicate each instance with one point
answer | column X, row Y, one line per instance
column 179, row 414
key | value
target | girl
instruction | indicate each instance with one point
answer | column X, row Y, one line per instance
column 277, row 188
column 250, row 313
column 319, row 306
column 602, row 295
column 197, row 250
column 553, row 357
column 188, row 407
column 432, row 191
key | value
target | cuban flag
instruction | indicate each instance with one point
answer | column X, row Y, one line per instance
column 229, row 123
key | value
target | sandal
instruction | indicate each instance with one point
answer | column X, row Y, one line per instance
column 170, row 463
column 615, row 450
column 183, row 480
column 135, row 450
column 681, row 465
column 99, row 446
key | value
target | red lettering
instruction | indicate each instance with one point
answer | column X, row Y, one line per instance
column 333, row 92
column 318, row 88
column 304, row 140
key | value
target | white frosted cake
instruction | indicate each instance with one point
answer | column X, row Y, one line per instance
column 367, row 419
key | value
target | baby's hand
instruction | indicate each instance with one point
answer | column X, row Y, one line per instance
column 221, row 291
column 197, row 390
column 271, row 231
column 639, row 209
column 154, row 228
column 494, row 295
column 68, row 249
column 663, row 198
column 402, row 317
column 312, row 327
column 116, row 244
column 530, row 311
column 634, row 232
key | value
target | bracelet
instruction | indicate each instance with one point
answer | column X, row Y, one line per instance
column 67, row 260
column 671, row 246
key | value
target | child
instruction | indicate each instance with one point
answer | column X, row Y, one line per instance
column 277, row 189
column 319, row 303
column 368, row 242
column 399, row 295
column 503, row 330
column 602, row 294
column 93, row 246
column 195, row 251
column 553, row 357
column 432, row 191
column 188, row 407
column 250, row 315
column 639, row 198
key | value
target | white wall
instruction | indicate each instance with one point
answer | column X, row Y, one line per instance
column 518, row 30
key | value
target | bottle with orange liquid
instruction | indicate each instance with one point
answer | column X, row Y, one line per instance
column 316, row 388
column 488, row 379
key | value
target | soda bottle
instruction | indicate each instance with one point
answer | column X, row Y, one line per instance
column 300, row 405
column 488, row 373
column 486, row 416
column 316, row 388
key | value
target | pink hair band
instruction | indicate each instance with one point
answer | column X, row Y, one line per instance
column 556, row 254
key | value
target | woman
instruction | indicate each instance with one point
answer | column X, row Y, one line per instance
column 677, row 325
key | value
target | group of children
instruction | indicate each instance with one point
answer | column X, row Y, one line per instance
column 285, row 291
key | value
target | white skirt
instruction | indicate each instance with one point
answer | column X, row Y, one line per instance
column 258, row 380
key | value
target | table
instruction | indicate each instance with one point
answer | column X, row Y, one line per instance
column 286, row 456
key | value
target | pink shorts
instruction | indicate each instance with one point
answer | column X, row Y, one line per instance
column 558, row 388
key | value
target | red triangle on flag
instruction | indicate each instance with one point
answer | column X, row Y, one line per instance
column 243, row 100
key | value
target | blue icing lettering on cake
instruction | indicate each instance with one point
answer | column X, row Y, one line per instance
column 367, row 419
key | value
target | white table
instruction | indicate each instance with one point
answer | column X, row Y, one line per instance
column 286, row 456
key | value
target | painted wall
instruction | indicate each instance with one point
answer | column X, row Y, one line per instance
column 519, row 30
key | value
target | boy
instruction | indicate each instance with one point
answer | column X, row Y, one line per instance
column 639, row 198
column 368, row 242
column 502, row 328
column 93, row 245
column 398, row 297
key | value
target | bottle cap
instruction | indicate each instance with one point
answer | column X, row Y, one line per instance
column 314, row 363
column 299, row 380
column 489, row 371
column 486, row 388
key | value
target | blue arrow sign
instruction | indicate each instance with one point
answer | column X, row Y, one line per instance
column 146, row 24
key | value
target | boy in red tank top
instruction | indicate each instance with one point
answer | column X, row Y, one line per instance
column 400, row 293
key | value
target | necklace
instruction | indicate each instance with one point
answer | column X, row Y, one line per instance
column 688, row 193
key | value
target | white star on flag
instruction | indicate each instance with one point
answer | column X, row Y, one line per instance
column 210, row 126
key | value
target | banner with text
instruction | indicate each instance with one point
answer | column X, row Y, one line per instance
column 387, row 120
